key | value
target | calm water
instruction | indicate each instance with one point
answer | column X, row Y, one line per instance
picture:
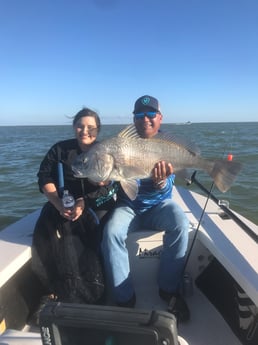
column 22, row 149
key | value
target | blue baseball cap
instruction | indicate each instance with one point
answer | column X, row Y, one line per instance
column 146, row 102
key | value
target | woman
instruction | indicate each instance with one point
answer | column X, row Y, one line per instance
column 65, row 241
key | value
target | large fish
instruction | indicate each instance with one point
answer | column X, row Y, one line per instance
column 128, row 157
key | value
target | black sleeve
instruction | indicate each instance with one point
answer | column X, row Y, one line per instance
column 64, row 152
column 98, row 197
column 48, row 168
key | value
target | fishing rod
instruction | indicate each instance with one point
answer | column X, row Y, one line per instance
column 211, row 196
column 184, row 274
column 185, row 279
column 231, row 215
column 60, row 179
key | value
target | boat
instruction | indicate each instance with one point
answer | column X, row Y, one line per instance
column 220, row 285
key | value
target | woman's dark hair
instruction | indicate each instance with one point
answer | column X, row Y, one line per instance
column 87, row 112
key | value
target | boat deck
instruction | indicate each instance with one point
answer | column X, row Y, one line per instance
column 206, row 327
column 218, row 237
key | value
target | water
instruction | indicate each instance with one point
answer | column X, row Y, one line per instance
column 22, row 149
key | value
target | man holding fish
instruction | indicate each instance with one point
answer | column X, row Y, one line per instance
column 152, row 209
column 144, row 159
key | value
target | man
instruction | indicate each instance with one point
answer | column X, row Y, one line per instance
column 153, row 209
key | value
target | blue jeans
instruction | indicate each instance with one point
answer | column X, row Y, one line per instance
column 166, row 216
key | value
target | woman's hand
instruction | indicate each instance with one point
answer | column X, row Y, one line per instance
column 52, row 195
column 76, row 212
column 160, row 173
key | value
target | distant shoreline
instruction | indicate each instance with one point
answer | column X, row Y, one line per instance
column 125, row 124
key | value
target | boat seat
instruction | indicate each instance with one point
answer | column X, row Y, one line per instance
column 15, row 246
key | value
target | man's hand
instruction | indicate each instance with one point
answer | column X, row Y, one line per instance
column 160, row 173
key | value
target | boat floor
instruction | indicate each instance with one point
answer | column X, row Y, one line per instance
column 206, row 326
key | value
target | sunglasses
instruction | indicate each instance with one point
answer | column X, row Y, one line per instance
column 90, row 129
column 149, row 114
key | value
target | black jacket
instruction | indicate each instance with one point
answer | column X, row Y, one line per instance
column 66, row 151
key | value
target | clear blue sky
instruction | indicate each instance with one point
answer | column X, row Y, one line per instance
column 198, row 57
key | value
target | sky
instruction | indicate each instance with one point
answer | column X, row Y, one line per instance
column 198, row 57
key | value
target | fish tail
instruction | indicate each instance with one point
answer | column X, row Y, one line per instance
column 224, row 173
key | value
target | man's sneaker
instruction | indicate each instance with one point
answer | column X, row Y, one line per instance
column 176, row 305
column 128, row 304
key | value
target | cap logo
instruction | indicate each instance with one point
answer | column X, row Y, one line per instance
column 145, row 100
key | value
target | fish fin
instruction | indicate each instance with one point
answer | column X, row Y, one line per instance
column 130, row 187
column 224, row 173
column 129, row 132
column 179, row 141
